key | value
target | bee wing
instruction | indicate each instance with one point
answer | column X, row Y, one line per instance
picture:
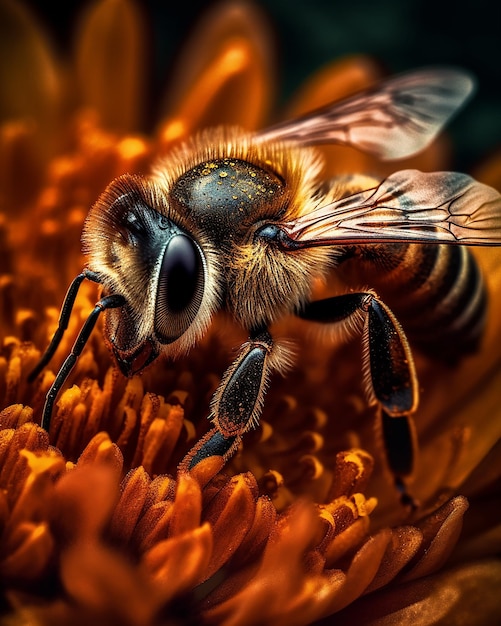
column 440, row 207
column 395, row 119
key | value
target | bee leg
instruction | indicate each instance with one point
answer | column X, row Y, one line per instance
column 237, row 402
column 399, row 439
column 214, row 443
column 108, row 302
column 390, row 376
column 64, row 319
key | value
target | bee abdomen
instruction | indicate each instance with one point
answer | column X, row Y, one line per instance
column 437, row 293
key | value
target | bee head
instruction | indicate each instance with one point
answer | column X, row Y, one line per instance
column 143, row 251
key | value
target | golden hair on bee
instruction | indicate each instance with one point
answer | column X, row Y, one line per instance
column 300, row 168
column 263, row 284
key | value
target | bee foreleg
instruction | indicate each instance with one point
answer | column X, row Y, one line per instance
column 108, row 302
column 238, row 400
column 64, row 318
column 389, row 372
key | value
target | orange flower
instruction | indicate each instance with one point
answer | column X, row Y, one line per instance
column 96, row 522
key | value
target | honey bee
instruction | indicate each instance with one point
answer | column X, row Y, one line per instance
column 245, row 222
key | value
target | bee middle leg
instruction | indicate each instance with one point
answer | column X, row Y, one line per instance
column 389, row 372
column 237, row 402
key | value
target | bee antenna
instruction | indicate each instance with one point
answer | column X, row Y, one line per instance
column 108, row 302
column 64, row 317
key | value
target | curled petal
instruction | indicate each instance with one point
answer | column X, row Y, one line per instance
column 161, row 488
column 258, row 534
column 230, row 513
column 405, row 542
column 130, row 506
column 162, row 436
column 15, row 415
column 177, row 564
column 153, row 526
column 101, row 450
column 342, row 543
column 187, row 510
column 149, row 410
column 14, row 468
column 440, row 534
column 206, row 470
column 351, row 473
column 362, row 571
column 279, row 587
column 63, row 424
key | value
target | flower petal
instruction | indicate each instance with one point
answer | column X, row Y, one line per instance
column 187, row 511
column 224, row 76
column 362, row 571
column 230, row 513
column 103, row 582
column 110, row 61
column 162, row 436
column 130, row 506
column 31, row 556
column 83, row 502
column 178, row 564
column 440, row 532
column 153, row 526
column 28, row 70
column 405, row 542
column 464, row 595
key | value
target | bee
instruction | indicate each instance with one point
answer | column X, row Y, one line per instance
column 246, row 222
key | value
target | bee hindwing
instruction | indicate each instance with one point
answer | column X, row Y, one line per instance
column 395, row 119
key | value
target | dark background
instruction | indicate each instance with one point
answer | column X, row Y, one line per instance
column 400, row 34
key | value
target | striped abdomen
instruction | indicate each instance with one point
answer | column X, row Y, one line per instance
column 436, row 291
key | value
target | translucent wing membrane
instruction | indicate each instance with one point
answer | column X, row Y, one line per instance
column 395, row 119
column 408, row 206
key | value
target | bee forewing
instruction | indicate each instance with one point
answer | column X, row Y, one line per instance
column 395, row 119
column 412, row 206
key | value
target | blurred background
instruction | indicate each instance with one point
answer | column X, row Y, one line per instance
column 399, row 35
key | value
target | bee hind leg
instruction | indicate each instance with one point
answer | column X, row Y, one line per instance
column 238, row 400
column 389, row 373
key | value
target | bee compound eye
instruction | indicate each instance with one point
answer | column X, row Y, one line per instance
column 180, row 288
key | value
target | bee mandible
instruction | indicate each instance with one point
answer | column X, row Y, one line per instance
column 245, row 222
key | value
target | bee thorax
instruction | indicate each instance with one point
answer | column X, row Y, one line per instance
column 224, row 194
